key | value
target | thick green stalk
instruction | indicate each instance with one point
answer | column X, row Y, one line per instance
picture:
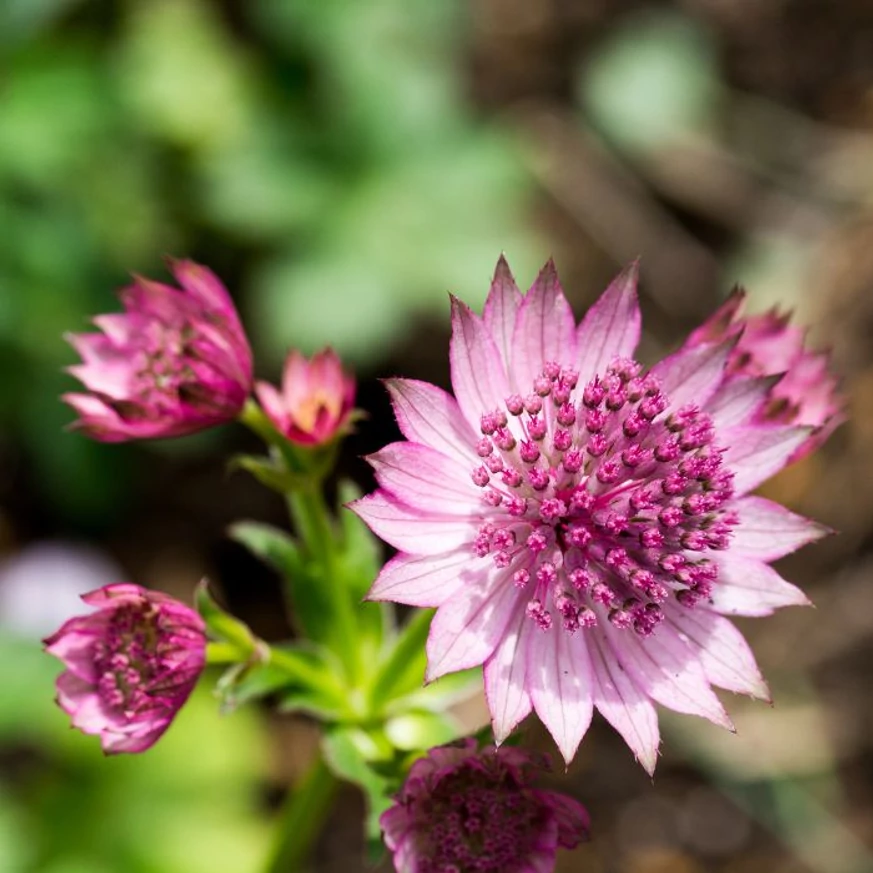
column 301, row 819
column 317, row 530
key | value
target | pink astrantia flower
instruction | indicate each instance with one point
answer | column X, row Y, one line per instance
column 583, row 525
column 316, row 401
column 131, row 665
column 769, row 345
column 174, row 362
column 461, row 809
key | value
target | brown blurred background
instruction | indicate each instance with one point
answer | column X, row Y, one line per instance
column 342, row 165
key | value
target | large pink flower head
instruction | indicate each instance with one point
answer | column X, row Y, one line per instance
column 316, row 401
column 174, row 362
column 583, row 524
column 131, row 665
column 465, row 810
column 767, row 344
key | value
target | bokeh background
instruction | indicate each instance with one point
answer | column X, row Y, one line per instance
column 342, row 164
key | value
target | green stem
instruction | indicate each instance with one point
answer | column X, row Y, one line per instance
column 301, row 819
column 317, row 529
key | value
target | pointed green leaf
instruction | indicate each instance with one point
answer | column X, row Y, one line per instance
column 422, row 730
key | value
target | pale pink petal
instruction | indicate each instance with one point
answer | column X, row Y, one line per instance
column 748, row 587
column 505, row 678
column 692, row 375
column 560, row 685
column 623, row 703
column 478, row 376
column 428, row 415
column 411, row 530
column 545, row 330
column 669, row 671
column 723, row 651
column 426, row 479
column 572, row 818
column 467, row 629
column 768, row 531
column 736, row 402
column 501, row 309
column 754, row 454
column 272, row 402
column 395, row 824
column 611, row 327
column 423, row 581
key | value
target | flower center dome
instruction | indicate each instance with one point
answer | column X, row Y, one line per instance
column 604, row 501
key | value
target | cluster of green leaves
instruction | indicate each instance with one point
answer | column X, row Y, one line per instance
column 353, row 669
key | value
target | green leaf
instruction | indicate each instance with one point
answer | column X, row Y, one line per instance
column 243, row 683
column 222, row 625
column 442, row 693
column 350, row 753
column 422, row 730
column 402, row 670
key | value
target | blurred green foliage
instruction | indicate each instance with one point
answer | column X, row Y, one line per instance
column 320, row 156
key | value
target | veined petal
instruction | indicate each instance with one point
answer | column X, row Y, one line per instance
column 754, row 454
column 423, row 581
column 668, row 670
column 623, row 703
column 478, row 376
column 426, row 479
column 428, row 415
column 505, row 678
column 467, row 629
column 501, row 309
column 736, row 402
column 560, row 685
column 411, row 530
column 768, row 531
column 692, row 375
column 611, row 328
column 723, row 651
column 748, row 587
column 545, row 330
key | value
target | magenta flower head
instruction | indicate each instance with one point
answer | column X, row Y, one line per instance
column 174, row 362
column 806, row 392
column 131, row 665
column 581, row 524
column 316, row 402
column 462, row 810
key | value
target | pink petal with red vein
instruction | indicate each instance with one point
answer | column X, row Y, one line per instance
column 723, row 651
column 426, row 479
column 411, row 530
column 768, row 531
column 501, row 310
column 668, row 670
column 559, row 684
column 505, row 678
column 478, row 376
column 754, row 454
column 428, row 415
column 623, row 703
column 467, row 629
column 692, row 375
column 611, row 327
column 424, row 580
column 748, row 587
column 545, row 330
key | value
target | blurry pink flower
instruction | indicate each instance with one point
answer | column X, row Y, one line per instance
column 131, row 665
column 461, row 810
column 315, row 404
column 174, row 362
column 768, row 345
column 582, row 525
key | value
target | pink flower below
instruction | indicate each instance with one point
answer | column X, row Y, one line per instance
column 316, row 401
column 462, row 810
column 174, row 362
column 131, row 665
column 582, row 525
column 806, row 392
